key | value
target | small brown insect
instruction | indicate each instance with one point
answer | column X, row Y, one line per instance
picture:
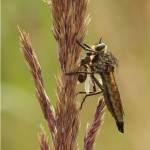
column 83, row 67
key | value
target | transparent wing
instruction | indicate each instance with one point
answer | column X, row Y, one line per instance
column 88, row 83
column 97, row 76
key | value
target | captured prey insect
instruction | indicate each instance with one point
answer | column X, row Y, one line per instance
column 101, row 61
column 85, row 76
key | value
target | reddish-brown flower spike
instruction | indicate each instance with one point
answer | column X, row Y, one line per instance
column 35, row 70
column 43, row 139
column 90, row 136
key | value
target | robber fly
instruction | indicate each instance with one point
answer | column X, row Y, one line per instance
column 102, row 62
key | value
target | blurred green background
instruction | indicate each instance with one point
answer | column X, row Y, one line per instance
column 125, row 27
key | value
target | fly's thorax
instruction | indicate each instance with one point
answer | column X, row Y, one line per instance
column 109, row 58
column 105, row 61
column 101, row 66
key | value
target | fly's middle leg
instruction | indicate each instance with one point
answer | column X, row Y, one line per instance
column 94, row 88
column 94, row 80
column 97, row 82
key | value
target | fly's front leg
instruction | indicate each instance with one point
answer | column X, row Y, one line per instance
column 87, row 48
column 77, row 72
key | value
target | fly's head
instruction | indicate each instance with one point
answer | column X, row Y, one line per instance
column 108, row 60
column 100, row 47
column 104, row 60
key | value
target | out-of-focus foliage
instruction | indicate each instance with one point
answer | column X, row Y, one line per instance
column 125, row 28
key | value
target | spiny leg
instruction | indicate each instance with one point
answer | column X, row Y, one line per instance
column 94, row 90
column 87, row 48
column 84, row 46
column 77, row 72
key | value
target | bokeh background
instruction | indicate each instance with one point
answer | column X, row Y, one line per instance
column 124, row 26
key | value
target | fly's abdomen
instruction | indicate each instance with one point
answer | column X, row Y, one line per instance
column 112, row 98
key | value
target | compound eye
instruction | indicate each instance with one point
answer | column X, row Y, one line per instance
column 100, row 46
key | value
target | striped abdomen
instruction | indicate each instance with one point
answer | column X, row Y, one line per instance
column 112, row 98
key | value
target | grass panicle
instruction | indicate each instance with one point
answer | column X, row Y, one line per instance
column 69, row 25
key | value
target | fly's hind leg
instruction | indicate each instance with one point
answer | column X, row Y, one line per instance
column 90, row 94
